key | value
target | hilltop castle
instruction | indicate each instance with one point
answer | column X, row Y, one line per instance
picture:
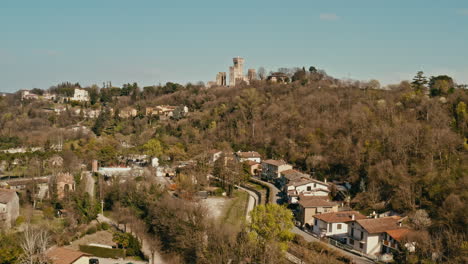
column 236, row 75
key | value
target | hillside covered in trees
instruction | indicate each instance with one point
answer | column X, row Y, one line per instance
column 401, row 148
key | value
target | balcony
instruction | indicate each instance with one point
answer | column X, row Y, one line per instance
column 389, row 244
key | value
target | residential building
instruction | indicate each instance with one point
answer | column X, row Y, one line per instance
column 278, row 77
column 248, row 155
column 254, row 168
column 313, row 205
column 335, row 224
column 271, row 169
column 368, row 235
column 393, row 240
column 306, row 187
column 41, row 185
column 292, row 175
column 9, row 208
column 128, row 112
column 80, row 95
column 27, row 95
column 61, row 255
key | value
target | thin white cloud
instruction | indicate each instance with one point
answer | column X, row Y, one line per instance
column 329, row 17
column 463, row 12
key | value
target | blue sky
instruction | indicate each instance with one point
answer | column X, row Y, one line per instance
column 46, row 42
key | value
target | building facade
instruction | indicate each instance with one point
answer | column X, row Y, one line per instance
column 271, row 169
column 9, row 208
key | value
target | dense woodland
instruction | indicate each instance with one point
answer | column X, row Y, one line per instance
column 403, row 148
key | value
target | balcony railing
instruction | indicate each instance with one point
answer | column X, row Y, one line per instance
column 389, row 244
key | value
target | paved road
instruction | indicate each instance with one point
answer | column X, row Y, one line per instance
column 253, row 201
column 144, row 248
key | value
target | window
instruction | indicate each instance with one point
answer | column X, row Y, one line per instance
column 315, row 222
column 362, row 235
column 352, row 232
column 330, row 228
column 361, row 245
column 351, row 241
column 338, row 227
column 309, row 188
column 315, row 185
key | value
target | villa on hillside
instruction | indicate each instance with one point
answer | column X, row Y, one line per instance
column 335, row 224
column 271, row 169
column 313, row 205
column 248, row 155
column 306, row 187
column 378, row 236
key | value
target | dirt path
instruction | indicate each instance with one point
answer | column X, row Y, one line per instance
column 144, row 248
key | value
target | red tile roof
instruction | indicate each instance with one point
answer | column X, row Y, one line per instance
column 340, row 217
column 275, row 162
column 60, row 255
column 315, row 201
column 379, row 225
column 399, row 234
column 294, row 175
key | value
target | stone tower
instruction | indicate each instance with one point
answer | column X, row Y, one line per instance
column 251, row 75
column 221, row 79
column 236, row 72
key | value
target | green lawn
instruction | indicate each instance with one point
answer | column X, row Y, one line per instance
column 234, row 213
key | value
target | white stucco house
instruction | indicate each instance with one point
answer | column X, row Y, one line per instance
column 80, row 95
column 248, row 155
column 335, row 224
column 376, row 236
column 306, row 187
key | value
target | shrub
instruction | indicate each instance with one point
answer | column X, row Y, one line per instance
column 105, row 226
column 91, row 230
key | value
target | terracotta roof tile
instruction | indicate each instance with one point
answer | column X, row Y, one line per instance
column 60, row 255
column 340, row 217
column 315, row 201
column 275, row 162
column 399, row 234
column 379, row 225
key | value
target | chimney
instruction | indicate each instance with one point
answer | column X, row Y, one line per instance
column 325, row 180
column 353, row 217
column 399, row 224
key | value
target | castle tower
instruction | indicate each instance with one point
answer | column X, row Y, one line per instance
column 221, row 79
column 236, row 72
column 251, row 75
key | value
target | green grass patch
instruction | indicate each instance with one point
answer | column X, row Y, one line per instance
column 100, row 252
column 235, row 210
